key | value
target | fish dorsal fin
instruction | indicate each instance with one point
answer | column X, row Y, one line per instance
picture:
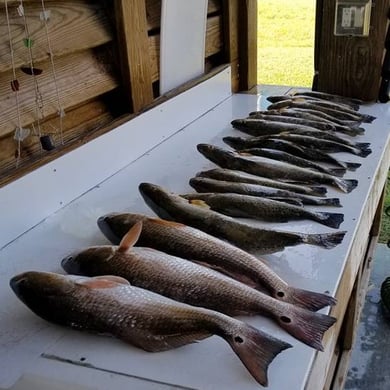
column 131, row 237
column 166, row 223
column 106, row 281
column 200, row 203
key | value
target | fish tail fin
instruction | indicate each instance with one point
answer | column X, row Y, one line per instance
column 332, row 220
column 336, row 171
column 318, row 190
column 346, row 185
column 368, row 118
column 310, row 300
column 352, row 166
column 335, row 202
column 364, row 152
column 363, row 145
column 306, row 326
column 326, row 240
column 256, row 350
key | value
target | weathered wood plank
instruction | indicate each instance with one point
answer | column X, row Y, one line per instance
column 80, row 122
column 153, row 11
column 80, row 77
column 135, row 60
column 240, row 37
column 351, row 66
column 73, row 26
column 213, row 44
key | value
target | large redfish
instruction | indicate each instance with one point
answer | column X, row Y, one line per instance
column 147, row 320
column 191, row 283
column 193, row 244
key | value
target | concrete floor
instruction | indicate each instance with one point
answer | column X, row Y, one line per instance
column 370, row 360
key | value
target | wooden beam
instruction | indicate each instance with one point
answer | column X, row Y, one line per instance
column 240, row 37
column 134, row 57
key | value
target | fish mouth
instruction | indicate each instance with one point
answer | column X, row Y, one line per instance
column 69, row 265
column 104, row 224
column 17, row 282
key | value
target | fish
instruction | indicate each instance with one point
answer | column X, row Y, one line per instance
column 310, row 99
column 247, row 206
column 349, row 129
column 261, row 127
column 109, row 304
column 321, row 125
column 232, row 160
column 262, row 240
column 204, row 184
column 332, row 97
column 242, row 177
column 193, row 244
column 193, row 284
column 298, row 150
column 323, row 144
column 338, row 113
column 280, row 155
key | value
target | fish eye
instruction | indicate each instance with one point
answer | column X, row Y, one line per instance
column 238, row 339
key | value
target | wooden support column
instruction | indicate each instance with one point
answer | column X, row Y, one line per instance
column 347, row 65
column 134, row 52
column 240, row 37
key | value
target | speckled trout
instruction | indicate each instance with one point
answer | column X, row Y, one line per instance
column 108, row 304
column 272, row 169
column 262, row 240
column 193, row 244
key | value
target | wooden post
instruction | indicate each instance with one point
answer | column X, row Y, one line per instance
column 134, row 52
column 350, row 66
column 240, row 37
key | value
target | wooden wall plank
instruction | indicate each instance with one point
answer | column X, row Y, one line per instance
column 135, row 60
column 73, row 26
column 240, row 37
column 351, row 66
column 79, row 123
column 80, row 77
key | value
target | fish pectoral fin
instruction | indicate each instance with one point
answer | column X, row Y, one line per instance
column 159, row 343
column 166, row 223
column 106, row 281
column 198, row 202
column 130, row 238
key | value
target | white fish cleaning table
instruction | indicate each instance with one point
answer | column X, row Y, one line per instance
column 52, row 212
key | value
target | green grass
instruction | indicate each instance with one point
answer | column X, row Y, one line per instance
column 285, row 42
column 385, row 228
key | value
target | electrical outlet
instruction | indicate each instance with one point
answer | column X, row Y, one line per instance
column 353, row 18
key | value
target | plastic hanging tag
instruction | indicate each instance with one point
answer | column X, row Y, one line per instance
column 20, row 10
column 28, row 42
column 21, row 134
column 45, row 15
column 61, row 113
